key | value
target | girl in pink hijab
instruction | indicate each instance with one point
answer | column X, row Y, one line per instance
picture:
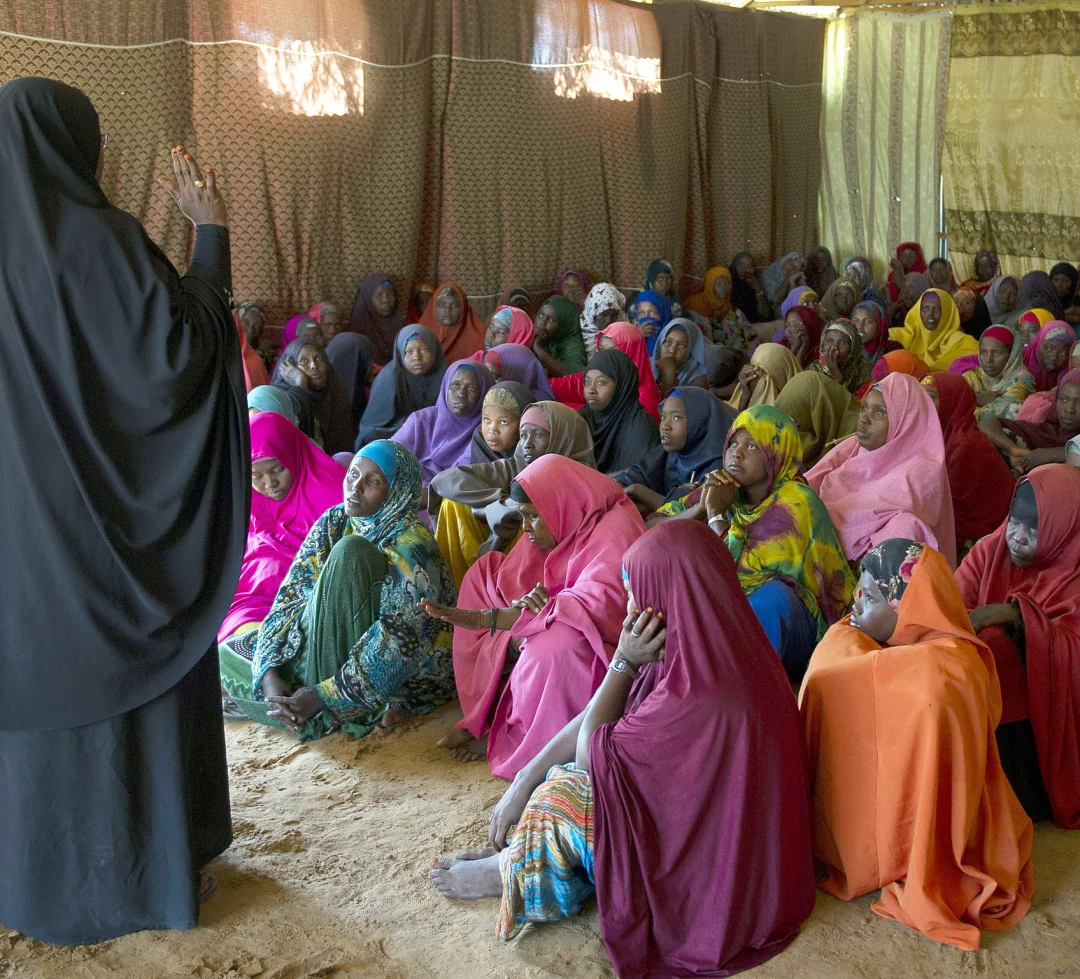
column 889, row 478
column 293, row 484
column 559, row 604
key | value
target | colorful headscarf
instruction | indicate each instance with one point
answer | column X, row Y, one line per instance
column 694, row 365
column 462, row 338
column 663, row 308
column 266, row 397
column 919, row 266
column 939, row 347
column 855, row 371
column 902, row 362
column 875, row 348
column 511, row 396
column 705, row 303
column 789, row 535
column 891, row 564
column 800, row 296
column 602, row 296
column 1012, row 386
column 1053, row 330
column 1048, row 432
column 815, row 327
column 654, row 268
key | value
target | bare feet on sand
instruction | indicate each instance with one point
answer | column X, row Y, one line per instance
column 463, row 746
column 391, row 719
column 468, row 875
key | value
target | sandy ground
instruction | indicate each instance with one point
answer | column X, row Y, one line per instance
column 328, row 878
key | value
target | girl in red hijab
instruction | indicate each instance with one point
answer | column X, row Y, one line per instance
column 803, row 328
column 450, row 317
column 904, row 264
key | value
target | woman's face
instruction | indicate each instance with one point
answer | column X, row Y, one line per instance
column 1006, row 296
column 499, row 428
column 844, row 299
column 534, row 442
column 676, row 346
column 1052, row 354
column 309, row 330
column 572, row 290
column 939, row 274
column 871, row 613
column 795, row 331
column 448, row 308
column 662, row 283
column 792, row 267
column 646, row 317
column 605, row 343
column 546, row 323
column 384, row 300
column 606, row 317
column 673, row 425
column 872, row 430
column 908, row 258
column 463, row 394
column 332, row 323
column 744, row 460
column 721, row 288
column 366, row 487
column 1063, row 285
column 838, row 341
column 865, row 323
column 271, row 478
column 418, row 357
column 965, row 306
column 993, row 356
column 312, row 362
column 1027, row 328
column 420, row 298
column 1022, row 540
column 1068, row 407
column 744, row 269
column 930, row 310
column 984, row 268
column 599, row 389
column 497, row 332
column 534, row 526
column 253, row 322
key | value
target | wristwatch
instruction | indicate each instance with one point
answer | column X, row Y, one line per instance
column 619, row 665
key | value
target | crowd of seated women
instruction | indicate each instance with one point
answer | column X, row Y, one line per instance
column 786, row 571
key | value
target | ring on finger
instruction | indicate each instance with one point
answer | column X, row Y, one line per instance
column 200, row 183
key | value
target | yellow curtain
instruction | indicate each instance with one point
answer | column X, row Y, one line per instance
column 884, row 86
column 1011, row 165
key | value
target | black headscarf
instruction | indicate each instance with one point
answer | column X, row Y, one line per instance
column 396, row 393
column 1038, row 292
column 351, row 355
column 623, row 431
column 522, row 397
column 329, row 406
column 1065, row 268
column 980, row 319
column 124, row 448
column 743, row 296
column 380, row 330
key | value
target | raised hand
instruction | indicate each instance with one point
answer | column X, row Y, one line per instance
column 642, row 638
column 195, row 192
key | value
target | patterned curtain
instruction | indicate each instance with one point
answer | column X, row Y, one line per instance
column 433, row 139
column 886, row 79
column 1012, row 139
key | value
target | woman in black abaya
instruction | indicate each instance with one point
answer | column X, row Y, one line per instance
column 123, row 457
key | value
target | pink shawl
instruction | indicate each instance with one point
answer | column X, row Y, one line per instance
column 569, row 644
column 899, row 490
column 276, row 530
column 1054, row 330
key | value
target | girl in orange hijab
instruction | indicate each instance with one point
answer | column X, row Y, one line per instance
column 459, row 330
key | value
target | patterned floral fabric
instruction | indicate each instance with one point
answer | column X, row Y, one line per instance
column 891, row 564
column 789, row 535
column 404, row 658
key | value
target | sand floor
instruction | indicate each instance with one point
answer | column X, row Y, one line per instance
column 328, row 878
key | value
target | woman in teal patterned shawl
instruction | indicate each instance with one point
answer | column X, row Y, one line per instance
column 346, row 640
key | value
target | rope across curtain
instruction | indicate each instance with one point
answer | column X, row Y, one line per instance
column 433, row 139
column 1011, row 164
column 884, row 91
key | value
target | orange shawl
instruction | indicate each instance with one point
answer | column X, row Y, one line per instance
column 908, row 790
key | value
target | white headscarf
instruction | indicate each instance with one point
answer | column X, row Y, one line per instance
column 601, row 296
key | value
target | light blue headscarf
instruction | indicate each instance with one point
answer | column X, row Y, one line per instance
column 384, row 454
column 266, row 397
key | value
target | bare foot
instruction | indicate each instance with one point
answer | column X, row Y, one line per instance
column 467, row 880
column 391, row 719
column 475, row 749
column 455, row 739
column 480, row 854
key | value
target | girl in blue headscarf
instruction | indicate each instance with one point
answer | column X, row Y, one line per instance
column 652, row 312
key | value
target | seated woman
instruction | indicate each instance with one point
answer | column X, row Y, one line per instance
column 702, row 705
column 901, row 362
column 352, row 355
column 517, row 362
column 549, row 611
column 660, row 278
column 252, row 322
column 458, row 330
column 931, row 331
column 302, row 327
column 820, row 271
column 474, row 512
column 330, row 319
column 909, row 259
column 679, row 357
column 652, row 312
column 293, row 484
column 376, row 315
column 729, row 325
column 799, row 296
column 622, row 430
column 1000, row 381
column 419, row 300
column 979, row 479
column 411, row 381
column 803, row 328
column 940, row 274
column 1048, row 354
column 496, row 437
column 841, row 357
column 603, row 306
column 974, row 314
column 346, row 641
column 762, row 380
column 790, row 561
column 266, row 397
column 572, row 284
column 1021, row 586
column 570, row 390
column 1030, row 322
column 889, row 478
column 254, row 369
column 781, row 277
column 693, row 427
column 822, row 410
column 305, row 374
column 900, row 706
column 558, row 343
column 839, row 300
column 987, row 268
column 1003, row 301
column 441, row 436
column 1037, row 289
column 1027, row 444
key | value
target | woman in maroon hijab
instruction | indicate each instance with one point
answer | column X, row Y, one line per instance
column 694, row 733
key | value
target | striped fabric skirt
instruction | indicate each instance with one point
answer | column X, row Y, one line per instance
column 547, row 865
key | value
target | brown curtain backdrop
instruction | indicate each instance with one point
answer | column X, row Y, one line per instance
column 449, row 139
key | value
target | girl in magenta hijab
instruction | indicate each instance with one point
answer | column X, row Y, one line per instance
column 293, row 484
column 1048, row 354
column 560, row 592
column 441, row 436
column 687, row 804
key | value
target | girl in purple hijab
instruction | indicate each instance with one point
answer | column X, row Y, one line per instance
column 514, row 362
column 441, row 436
